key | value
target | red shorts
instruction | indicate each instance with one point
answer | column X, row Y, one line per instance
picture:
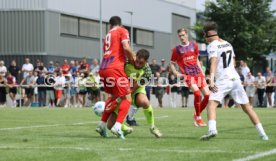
column 58, row 93
column 115, row 82
column 198, row 80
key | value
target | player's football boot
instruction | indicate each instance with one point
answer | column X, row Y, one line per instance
column 118, row 132
column 210, row 135
column 199, row 122
column 127, row 131
column 131, row 122
column 156, row 132
column 102, row 131
column 265, row 138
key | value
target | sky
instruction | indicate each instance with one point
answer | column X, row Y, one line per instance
column 200, row 5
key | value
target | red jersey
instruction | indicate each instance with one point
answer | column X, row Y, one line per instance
column 114, row 56
column 65, row 69
column 186, row 58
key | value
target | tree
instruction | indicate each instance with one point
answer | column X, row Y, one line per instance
column 248, row 25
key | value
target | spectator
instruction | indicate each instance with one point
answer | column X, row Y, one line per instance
column 163, row 69
column 82, row 89
column 40, row 81
column 27, row 67
column 184, row 95
column 95, row 67
column 3, row 83
column 51, row 68
column 269, row 88
column 267, row 70
column 59, row 84
column 249, row 83
column 93, row 87
column 84, row 66
column 11, row 83
column 57, row 67
column 159, row 89
column 14, row 70
column 73, row 67
column 28, row 83
column 260, row 85
column 3, row 68
column 65, row 67
column 50, row 91
column 40, row 68
column 67, row 89
column 74, row 98
column 35, row 88
column 173, row 89
column 244, row 69
column 155, row 67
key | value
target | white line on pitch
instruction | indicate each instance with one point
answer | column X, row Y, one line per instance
column 128, row 149
column 55, row 125
column 257, row 155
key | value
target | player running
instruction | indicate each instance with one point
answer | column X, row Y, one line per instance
column 221, row 56
column 185, row 56
column 116, row 50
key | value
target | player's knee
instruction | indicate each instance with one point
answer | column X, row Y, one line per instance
column 197, row 93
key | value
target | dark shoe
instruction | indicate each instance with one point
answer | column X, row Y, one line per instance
column 131, row 122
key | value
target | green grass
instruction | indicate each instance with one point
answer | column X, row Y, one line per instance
column 56, row 136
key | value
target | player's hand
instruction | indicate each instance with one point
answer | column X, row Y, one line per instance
column 179, row 75
column 213, row 87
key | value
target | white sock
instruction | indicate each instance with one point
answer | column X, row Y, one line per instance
column 198, row 117
column 212, row 125
column 131, row 112
column 117, row 125
column 260, row 129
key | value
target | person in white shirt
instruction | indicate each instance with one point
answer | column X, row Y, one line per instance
column 59, row 87
column 249, row 83
column 260, row 85
column 244, row 68
column 27, row 67
column 3, row 68
column 222, row 69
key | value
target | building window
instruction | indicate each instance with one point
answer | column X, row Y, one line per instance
column 144, row 37
column 69, row 25
column 89, row 28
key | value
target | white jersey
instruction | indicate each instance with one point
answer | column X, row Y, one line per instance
column 225, row 55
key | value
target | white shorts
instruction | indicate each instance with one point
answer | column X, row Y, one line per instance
column 250, row 91
column 232, row 87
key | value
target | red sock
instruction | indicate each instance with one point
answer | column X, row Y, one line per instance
column 123, row 110
column 197, row 102
column 204, row 103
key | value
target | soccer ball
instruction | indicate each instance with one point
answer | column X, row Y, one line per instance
column 99, row 108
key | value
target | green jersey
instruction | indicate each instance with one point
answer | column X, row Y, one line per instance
column 137, row 74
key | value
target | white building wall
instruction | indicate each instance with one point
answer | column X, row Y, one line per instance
column 148, row 14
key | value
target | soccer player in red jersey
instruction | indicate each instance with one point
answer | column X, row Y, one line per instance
column 185, row 56
column 116, row 83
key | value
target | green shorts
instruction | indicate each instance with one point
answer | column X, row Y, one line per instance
column 133, row 97
column 138, row 90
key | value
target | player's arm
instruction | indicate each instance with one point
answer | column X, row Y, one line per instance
column 213, row 61
column 175, row 72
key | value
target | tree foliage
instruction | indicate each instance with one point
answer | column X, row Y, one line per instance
column 248, row 25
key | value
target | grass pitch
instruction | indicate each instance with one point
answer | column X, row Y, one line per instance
column 43, row 134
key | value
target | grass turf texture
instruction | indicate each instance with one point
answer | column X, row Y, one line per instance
column 69, row 135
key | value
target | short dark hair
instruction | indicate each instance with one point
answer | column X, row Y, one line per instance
column 143, row 53
column 211, row 25
column 115, row 21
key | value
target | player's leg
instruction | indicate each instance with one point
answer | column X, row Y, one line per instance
column 130, row 117
column 206, row 93
column 239, row 95
column 141, row 100
column 197, row 101
column 111, row 121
